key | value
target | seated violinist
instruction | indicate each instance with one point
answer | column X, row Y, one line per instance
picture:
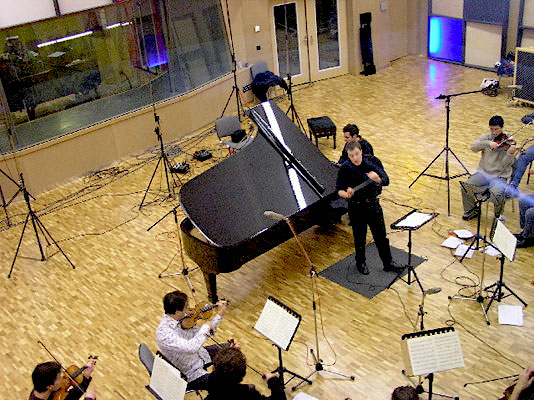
column 183, row 347
column 47, row 380
column 494, row 168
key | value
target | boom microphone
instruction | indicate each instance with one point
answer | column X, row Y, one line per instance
column 275, row 216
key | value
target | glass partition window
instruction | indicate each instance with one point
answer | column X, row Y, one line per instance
column 65, row 74
column 287, row 41
column 327, row 33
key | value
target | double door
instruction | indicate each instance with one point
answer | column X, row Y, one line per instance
column 310, row 38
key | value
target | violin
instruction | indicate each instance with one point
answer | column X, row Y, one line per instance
column 72, row 376
column 504, row 140
column 202, row 311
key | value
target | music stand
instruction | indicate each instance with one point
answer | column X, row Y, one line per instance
column 279, row 323
column 506, row 243
column 480, row 197
column 411, row 222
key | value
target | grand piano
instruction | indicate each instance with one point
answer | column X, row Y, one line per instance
column 280, row 171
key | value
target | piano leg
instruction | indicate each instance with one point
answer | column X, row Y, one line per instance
column 211, row 286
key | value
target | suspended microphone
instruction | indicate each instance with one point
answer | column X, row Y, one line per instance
column 433, row 290
column 275, row 216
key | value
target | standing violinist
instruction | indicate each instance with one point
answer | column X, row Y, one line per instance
column 494, row 168
column 184, row 347
column 46, row 379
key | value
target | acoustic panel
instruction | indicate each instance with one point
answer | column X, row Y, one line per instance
column 448, row 8
column 487, row 11
column 524, row 74
column 70, row 6
column 483, row 44
column 15, row 12
column 445, row 38
column 528, row 13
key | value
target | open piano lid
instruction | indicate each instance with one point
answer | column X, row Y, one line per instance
column 226, row 203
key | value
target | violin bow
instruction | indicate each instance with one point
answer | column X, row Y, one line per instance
column 61, row 365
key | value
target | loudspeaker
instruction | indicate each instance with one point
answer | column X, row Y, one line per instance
column 524, row 74
column 366, row 45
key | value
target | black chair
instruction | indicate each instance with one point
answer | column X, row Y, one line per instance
column 230, row 127
column 147, row 359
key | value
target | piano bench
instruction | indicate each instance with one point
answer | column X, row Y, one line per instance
column 321, row 127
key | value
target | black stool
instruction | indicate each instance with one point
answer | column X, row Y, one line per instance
column 321, row 127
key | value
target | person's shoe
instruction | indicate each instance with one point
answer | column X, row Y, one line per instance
column 393, row 267
column 362, row 269
column 511, row 192
column 470, row 215
column 519, row 236
column 525, row 242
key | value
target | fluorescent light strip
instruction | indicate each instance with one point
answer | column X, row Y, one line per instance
column 293, row 176
column 64, row 39
column 117, row 25
column 79, row 35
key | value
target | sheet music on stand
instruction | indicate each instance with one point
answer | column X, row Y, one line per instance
column 278, row 323
column 431, row 351
column 504, row 240
column 413, row 220
column 166, row 383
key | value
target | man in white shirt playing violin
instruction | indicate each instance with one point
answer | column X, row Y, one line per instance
column 184, row 347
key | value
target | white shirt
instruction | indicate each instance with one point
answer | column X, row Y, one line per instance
column 183, row 347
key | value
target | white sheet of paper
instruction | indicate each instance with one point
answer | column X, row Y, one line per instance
column 304, row 396
column 452, row 242
column 510, row 315
column 414, row 219
column 492, row 251
column 462, row 249
column 166, row 381
column 463, row 233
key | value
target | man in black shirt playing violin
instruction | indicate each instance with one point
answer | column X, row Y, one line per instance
column 360, row 181
column 47, row 377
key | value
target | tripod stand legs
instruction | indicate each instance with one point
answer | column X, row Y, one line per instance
column 318, row 368
column 46, row 234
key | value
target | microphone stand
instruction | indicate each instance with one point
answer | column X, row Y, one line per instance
column 313, row 275
column 235, row 88
column 446, row 150
column 163, row 159
column 37, row 226
column 294, row 114
column 480, row 198
column 6, row 204
column 185, row 271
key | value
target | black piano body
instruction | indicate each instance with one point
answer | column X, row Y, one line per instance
column 226, row 226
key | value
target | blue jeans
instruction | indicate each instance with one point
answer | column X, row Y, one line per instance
column 526, row 215
column 521, row 165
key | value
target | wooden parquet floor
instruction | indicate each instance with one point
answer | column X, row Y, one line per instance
column 111, row 302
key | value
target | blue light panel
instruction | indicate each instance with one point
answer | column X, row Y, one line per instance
column 446, row 38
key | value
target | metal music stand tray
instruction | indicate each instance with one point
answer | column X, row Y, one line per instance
column 411, row 222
